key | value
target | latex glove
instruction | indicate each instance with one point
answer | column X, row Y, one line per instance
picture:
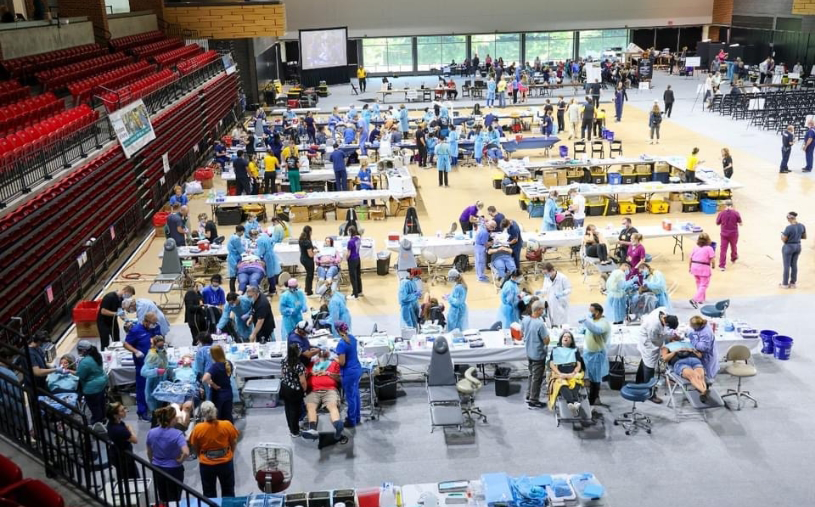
column 139, row 354
column 580, row 321
column 120, row 312
column 246, row 317
column 559, row 295
column 62, row 370
column 160, row 371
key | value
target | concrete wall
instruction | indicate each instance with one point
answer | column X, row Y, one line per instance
column 803, row 7
column 118, row 6
column 374, row 18
column 15, row 43
column 122, row 25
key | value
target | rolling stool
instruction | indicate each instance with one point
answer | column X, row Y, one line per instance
column 634, row 421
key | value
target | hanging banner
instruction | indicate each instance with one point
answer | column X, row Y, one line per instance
column 132, row 126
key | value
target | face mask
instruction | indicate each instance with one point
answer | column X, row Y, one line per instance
column 215, row 285
column 152, row 326
column 160, row 349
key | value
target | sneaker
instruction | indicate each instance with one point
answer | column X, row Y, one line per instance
column 145, row 418
column 352, row 297
column 574, row 408
column 348, row 424
column 310, row 434
column 360, row 295
column 792, row 286
column 534, row 405
column 722, row 268
column 294, row 435
column 656, row 399
column 703, row 397
column 782, row 286
column 784, row 171
column 338, row 427
column 694, row 304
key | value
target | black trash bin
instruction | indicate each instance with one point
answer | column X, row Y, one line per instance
column 383, row 263
column 502, row 385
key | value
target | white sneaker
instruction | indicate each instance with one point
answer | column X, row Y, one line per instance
column 352, row 297
column 574, row 408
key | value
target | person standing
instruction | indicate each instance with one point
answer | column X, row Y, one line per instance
column 469, row 217
column 577, row 207
column 536, row 338
column 292, row 306
column 362, row 78
column 354, row 262
column 727, row 163
column 122, row 436
column 690, row 166
column 337, row 158
column 218, row 378
column 702, row 262
column 595, row 354
column 241, row 169
column 619, row 100
column 668, row 99
column 270, row 166
column 787, row 140
column 588, row 119
column 421, row 145
column 442, row 152
column 656, row 328
column 351, row 372
column 595, row 93
column 550, row 211
column 500, row 89
column 138, row 342
column 508, row 311
column 93, row 381
column 573, row 112
column 555, row 292
column 107, row 321
column 262, row 316
column 214, row 440
column 482, row 243
column 404, row 123
column 729, row 220
column 408, row 298
column 809, row 145
column 561, row 113
column 457, row 316
column 167, row 450
column 654, row 122
column 307, row 253
column 490, row 92
column 791, row 237
column 293, row 387
column 514, row 239
column 292, row 161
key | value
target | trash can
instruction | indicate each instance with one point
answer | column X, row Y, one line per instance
column 783, row 347
column 767, row 336
column 502, row 376
column 383, row 263
column 564, row 151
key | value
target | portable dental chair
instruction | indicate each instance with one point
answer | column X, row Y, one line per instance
column 678, row 385
column 580, row 417
column 442, row 393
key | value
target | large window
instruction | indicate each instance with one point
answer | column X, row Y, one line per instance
column 436, row 52
column 594, row 42
column 388, row 54
column 500, row 45
column 549, row 46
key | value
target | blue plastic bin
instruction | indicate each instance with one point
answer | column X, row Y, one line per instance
column 708, row 206
column 615, row 179
column 767, row 336
column 783, row 347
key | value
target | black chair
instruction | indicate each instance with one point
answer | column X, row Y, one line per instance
column 579, row 148
column 598, row 147
column 442, row 394
column 615, row 147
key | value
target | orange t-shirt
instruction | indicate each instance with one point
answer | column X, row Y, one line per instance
column 214, row 436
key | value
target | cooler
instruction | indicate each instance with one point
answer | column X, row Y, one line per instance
column 627, row 208
column 262, row 393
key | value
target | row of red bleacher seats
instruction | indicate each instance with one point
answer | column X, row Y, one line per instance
column 16, row 491
column 29, row 111
column 131, row 41
column 138, row 89
column 12, row 91
column 197, row 62
column 81, row 90
column 176, row 55
column 150, row 50
column 60, row 76
column 41, row 133
column 31, row 64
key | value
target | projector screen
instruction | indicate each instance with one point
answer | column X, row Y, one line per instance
column 323, row 48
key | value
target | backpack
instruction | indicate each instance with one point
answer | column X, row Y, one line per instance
column 461, row 263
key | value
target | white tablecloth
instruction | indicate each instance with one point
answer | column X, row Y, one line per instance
column 624, row 341
column 574, row 237
column 444, row 248
column 314, row 174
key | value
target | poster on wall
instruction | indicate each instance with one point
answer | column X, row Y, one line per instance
column 693, row 61
column 593, row 72
column 132, row 126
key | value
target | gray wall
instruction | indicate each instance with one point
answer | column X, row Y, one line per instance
column 122, row 25
column 763, row 7
column 15, row 43
column 375, row 18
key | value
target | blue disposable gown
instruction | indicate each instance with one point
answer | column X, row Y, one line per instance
column 550, row 210
column 366, row 117
column 292, row 305
column 249, row 226
column 409, row 303
column 145, row 306
column 153, row 361
column 616, row 297
column 428, row 116
column 443, row 159
column 277, row 234
column 403, row 120
column 508, row 311
column 234, row 250
column 453, row 139
column 265, row 251
column 242, row 307
column 376, row 110
column 656, row 283
column 478, row 145
column 338, row 311
column 457, row 315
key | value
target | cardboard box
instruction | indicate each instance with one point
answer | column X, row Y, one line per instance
column 298, row 214
column 159, row 231
column 562, row 180
column 550, row 179
column 675, row 196
column 87, row 330
column 662, row 167
column 643, row 169
column 627, row 169
column 676, row 206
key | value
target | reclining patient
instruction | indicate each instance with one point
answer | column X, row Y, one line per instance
column 685, row 361
column 323, row 380
column 566, row 377
column 251, row 270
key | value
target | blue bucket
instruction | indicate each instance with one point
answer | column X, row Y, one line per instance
column 767, row 336
column 615, row 178
column 608, row 135
column 564, row 151
column 783, row 347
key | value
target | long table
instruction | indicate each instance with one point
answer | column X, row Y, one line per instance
column 624, row 340
column 444, row 248
column 510, row 145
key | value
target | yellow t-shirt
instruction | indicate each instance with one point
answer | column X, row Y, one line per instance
column 253, row 169
column 214, row 436
column 501, row 86
column 289, row 151
column 601, row 115
column 361, row 73
column 693, row 161
column 270, row 163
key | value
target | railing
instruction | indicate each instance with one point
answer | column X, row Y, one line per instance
column 174, row 30
column 58, row 434
column 20, row 172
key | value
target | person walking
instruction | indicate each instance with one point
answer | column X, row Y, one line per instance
column 702, row 262
column 668, row 99
column 536, row 338
column 362, row 78
column 214, row 440
column 588, row 119
column 729, row 220
column 792, row 236
column 654, row 121
column 573, row 114
column 809, row 145
column 787, row 140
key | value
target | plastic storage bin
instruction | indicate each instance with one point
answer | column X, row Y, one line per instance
column 690, row 206
column 615, row 179
column 263, row 393
column 709, row 206
column 588, row 489
column 658, row 206
column 767, row 346
column 85, row 311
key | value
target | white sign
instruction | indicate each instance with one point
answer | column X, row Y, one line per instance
column 165, row 161
column 645, row 85
column 794, row 75
column 132, row 126
column 593, row 72
column 693, row 61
